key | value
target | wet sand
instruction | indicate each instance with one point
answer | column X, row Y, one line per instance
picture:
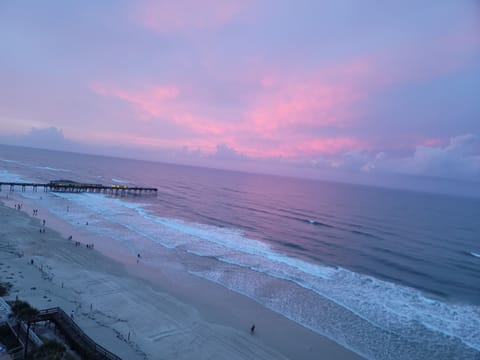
column 135, row 310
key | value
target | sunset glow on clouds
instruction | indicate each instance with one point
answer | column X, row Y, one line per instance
column 389, row 88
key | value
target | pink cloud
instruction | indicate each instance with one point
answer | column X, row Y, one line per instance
column 433, row 142
column 276, row 121
column 269, row 124
column 152, row 101
column 182, row 15
column 302, row 103
column 144, row 141
column 306, row 148
column 115, row 137
column 165, row 102
column 323, row 97
column 284, row 114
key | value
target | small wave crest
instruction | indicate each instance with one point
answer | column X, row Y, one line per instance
column 48, row 168
column 317, row 223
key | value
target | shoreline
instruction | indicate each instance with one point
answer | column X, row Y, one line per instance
column 156, row 313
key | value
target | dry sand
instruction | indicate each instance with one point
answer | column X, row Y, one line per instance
column 139, row 312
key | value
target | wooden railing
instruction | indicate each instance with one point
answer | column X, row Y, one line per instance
column 79, row 341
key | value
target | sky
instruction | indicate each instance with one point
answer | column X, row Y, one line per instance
column 336, row 89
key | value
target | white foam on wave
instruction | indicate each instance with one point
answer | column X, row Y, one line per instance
column 119, row 181
column 7, row 176
column 52, row 169
column 383, row 304
column 388, row 306
column 48, row 168
column 475, row 254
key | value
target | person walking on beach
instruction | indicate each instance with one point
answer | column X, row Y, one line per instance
column 252, row 329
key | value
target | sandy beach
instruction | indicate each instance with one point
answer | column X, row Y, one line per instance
column 137, row 311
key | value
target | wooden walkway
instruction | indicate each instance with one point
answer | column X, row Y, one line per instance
column 80, row 342
column 74, row 187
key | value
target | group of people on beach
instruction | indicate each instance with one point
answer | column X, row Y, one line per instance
column 18, row 206
column 78, row 243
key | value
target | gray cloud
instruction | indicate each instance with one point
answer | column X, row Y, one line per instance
column 227, row 153
column 45, row 138
column 459, row 159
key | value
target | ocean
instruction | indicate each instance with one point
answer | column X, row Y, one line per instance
column 389, row 274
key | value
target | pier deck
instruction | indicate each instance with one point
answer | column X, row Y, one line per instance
column 74, row 187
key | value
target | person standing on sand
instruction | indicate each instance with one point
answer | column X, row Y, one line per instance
column 252, row 329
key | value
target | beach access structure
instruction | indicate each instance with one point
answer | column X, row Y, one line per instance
column 77, row 187
column 79, row 341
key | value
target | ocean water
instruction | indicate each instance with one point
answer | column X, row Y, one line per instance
column 389, row 274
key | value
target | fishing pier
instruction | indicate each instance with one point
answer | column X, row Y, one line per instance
column 76, row 187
